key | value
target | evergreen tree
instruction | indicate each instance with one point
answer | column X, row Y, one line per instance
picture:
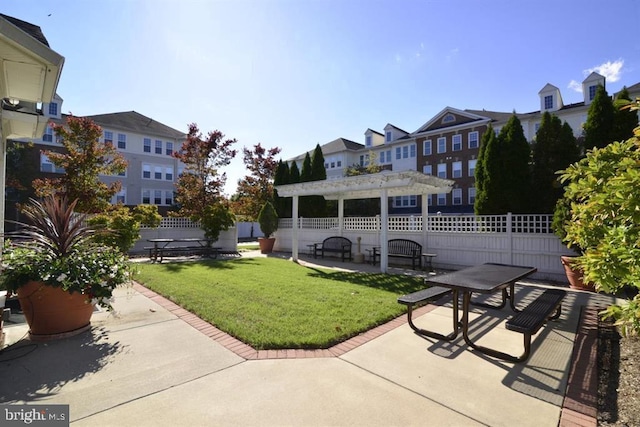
column 598, row 129
column 624, row 120
column 555, row 149
column 294, row 173
column 481, row 179
column 282, row 204
column 318, row 173
column 505, row 174
column 305, row 205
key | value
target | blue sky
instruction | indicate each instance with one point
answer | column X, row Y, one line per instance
column 295, row 73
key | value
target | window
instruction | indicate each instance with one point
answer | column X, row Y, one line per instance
column 108, row 137
column 405, row 201
column 398, row 153
column 412, row 151
column 47, row 166
column 157, row 172
column 473, row 139
column 147, row 145
column 123, row 173
column 122, row 141
column 536, row 127
column 426, row 148
column 168, row 198
column 169, row 148
column 592, row 92
column 456, row 196
column 146, row 197
column 158, row 146
column 548, row 102
column 146, row 171
column 456, row 169
column 385, row 156
column 449, row 118
column 120, row 197
column 48, row 134
column 367, row 141
column 456, row 142
column 427, row 170
column 405, row 152
column 442, row 145
column 472, row 195
column 53, row 109
column 364, row 160
column 388, row 136
column 472, row 167
column 168, row 173
column 157, row 197
column 442, row 170
column 339, row 163
column 442, row 199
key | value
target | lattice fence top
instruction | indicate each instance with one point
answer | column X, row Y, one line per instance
column 170, row 222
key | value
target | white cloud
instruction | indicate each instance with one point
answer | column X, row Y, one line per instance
column 574, row 85
column 611, row 70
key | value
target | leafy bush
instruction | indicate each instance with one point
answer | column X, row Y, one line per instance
column 268, row 219
column 120, row 227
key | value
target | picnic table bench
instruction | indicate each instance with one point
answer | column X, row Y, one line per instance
column 334, row 244
column 165, row 247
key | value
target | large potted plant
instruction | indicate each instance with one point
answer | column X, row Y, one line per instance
column 57, row 271
column 268, row 220
column 562, row 215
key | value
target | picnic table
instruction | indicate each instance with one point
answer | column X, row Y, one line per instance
column 163, row 247
column 488, row 279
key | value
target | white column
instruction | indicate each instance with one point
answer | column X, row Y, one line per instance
column 341, row 216
column 3, row 167
column 384, row 227
column 425, row 214
column 294, row 229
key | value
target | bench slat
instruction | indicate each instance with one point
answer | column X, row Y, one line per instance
column 427, row 294
column 533, row 316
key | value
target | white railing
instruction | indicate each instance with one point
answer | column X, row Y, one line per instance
column 510, row 223
column 170, row 222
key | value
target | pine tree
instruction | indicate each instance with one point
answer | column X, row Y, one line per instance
column 555, row 148
column 624, row 119
column 282, row 204
column 305, row 205
column 294, row 173
column 598, row 129
column 318, row 173
column 504, row 171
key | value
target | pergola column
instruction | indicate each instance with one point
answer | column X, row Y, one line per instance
column 384, row 227
column 341, row 215
column 425, row 215
column 294, row 229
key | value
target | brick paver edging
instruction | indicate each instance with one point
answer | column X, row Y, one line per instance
column 579, row 408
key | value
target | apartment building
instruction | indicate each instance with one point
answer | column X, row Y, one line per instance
column 447, row 146
column 146, row 144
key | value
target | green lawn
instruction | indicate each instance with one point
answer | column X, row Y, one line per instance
column 272, row 303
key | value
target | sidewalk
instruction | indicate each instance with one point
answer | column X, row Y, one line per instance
column 156, row 364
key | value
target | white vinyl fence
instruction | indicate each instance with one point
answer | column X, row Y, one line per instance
column 458, row 240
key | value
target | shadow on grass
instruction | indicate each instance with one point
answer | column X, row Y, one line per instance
column 396, row 284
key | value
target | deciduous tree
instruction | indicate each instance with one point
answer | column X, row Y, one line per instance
column 199, row 190
column 85, row 159
column 256, row 189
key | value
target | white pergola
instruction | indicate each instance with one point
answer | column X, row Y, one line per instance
column 380, row 185
column 29, row 75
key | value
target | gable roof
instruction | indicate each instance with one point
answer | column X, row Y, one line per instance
column 33, row 30
column 136, row 122
column 336, row 146
column 548, row 88
column 434, row 124
column 395, row 127
column 493, row 115
column 373, row 131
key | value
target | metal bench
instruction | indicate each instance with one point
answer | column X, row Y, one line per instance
column 403, row 248
column 425, row 296
column 335, row 244
column 533, row 316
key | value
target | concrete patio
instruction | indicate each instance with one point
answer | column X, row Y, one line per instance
column 156, row 364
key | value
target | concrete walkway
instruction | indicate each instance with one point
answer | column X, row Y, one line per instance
column 155, row 364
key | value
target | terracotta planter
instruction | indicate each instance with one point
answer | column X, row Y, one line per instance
column 266, row 244
column 575, row 275
column 53, row 313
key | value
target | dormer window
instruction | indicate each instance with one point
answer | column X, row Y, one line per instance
column 592, row 92
column 53, row 109
column 548, row 102
column 388, row 136
column 367, row 141
column 449, row 118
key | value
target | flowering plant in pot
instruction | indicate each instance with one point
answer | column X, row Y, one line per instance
column 268, row 220
column 58, row 272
